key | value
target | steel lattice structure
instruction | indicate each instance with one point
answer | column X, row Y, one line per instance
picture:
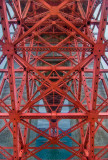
column 52, row 52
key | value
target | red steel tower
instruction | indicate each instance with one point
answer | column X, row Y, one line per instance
column 53, row 71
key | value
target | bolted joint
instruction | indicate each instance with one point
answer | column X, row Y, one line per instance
column 99, row 49
column 79, row 69
column 8, row 49
column 54, row 49
column 93, row 116
column 54, row 11
column 54, row 140
column 53, row 68
column 73, row 34
column 53, row 22
column 53, row 115
column 14, row 116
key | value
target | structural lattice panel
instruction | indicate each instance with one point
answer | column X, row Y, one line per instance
column 54, row 89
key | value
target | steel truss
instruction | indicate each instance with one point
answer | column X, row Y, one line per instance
column 53, row 52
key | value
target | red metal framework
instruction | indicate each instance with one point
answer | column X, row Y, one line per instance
column 53, row 51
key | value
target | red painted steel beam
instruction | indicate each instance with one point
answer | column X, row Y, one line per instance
column 55, row 115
